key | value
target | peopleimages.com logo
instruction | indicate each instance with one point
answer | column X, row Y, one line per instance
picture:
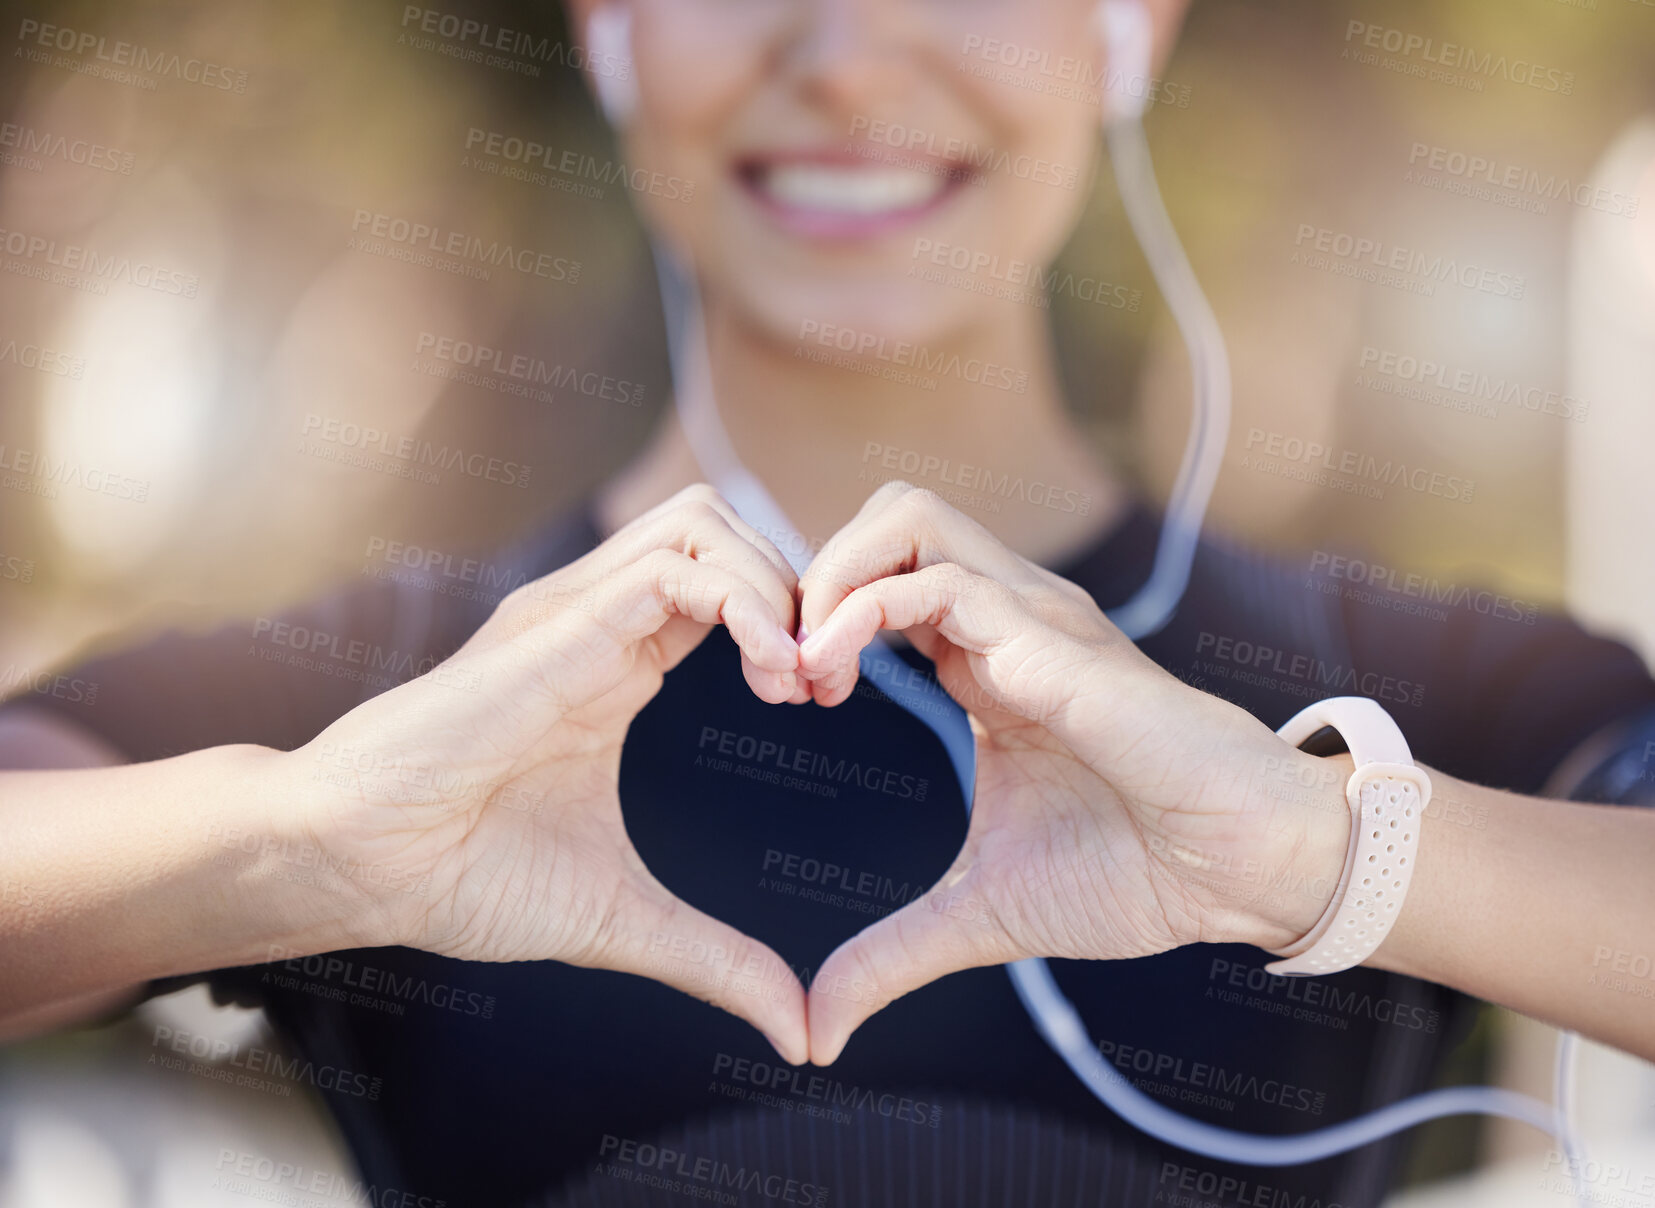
column 108, row 58
column 1187, row 1182
column 375, row 448
column 457, row 252
column 1363, row 470
column 1405, row 376
column 467, row 39
column 1467, row 67
column 528, row 155
column 959, row 154
column 775, row 762
column 794, row 1088
column 1365, row 258
column 1268, row 666
column 702, row 1177
column 1027, row 281
column 82, row 266
column 911, row 464
column 931, row 364
column 1484, row 178
column 478, row 364
column 262, row 1178
column 27, row 142
column 1071, row 77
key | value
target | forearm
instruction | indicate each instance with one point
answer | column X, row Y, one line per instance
column 1546, row 907
column 1543, row 906
column 111, row 877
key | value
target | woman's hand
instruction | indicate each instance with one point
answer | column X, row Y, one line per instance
column 477, row 806
column 1118, row 811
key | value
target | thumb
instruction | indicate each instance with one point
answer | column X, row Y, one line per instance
column 947, row 930
column 670, row 941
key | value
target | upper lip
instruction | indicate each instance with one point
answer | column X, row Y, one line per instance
column 849, row 153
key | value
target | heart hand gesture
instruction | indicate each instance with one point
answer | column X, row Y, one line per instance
column 1093, row 834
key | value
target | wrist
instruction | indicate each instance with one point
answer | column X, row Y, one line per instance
column 156, row 870
column 1298, row 801
column 288, row 852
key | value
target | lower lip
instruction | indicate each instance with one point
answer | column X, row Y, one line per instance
column 840, row 225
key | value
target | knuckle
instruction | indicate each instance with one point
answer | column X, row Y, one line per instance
column 1076, row 594
column 944, row 570
column 698, row 515
column 835, row 571
column 660, row 571
column 518, row 601
column 658, row 562
column 700, row 596
column 1059, row 590
column 865, row 975
column 950, row 577
column 701, row 493
column 526, row 606
column 926, row 502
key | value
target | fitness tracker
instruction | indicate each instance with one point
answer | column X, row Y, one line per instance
column 1387, row 795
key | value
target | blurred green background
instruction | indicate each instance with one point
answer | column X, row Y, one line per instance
column 254, row 191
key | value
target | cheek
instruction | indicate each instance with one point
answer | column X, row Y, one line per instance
column 1042, row 180
column 696, row 66
column 1036, row 86
column 693, row 80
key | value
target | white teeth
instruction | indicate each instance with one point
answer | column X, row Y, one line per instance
column 851, row 190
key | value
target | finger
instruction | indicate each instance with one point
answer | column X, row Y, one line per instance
column 760, row 541
column 704, row 532
column 701, row 516
column 666, row 583
column 709, row 536
column 941, row 933
column 705, row 528
column 974, row 613
column 661, row 937
column 772, row 687
column 696, row 522
column 696, row 493
column 900, row 529
column 661, row 593
column 724, row 539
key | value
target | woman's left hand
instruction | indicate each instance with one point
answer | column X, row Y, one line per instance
column 1118, row 812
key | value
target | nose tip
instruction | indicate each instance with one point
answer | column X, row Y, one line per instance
column 845, row 48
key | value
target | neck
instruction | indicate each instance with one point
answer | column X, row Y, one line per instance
column 822, row 436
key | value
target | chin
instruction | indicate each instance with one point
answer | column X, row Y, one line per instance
column 890, row 307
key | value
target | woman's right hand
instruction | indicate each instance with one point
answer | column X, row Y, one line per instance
column 477, row 807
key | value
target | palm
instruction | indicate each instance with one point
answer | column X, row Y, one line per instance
column 520, row 848
column 556, row 877
column 1059, row 856
column 490, row 785
column 1063, row 864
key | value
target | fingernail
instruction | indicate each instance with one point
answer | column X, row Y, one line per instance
column 804, row 630
column 787, row 638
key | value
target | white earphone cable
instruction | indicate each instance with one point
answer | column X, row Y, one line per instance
column 1125, row 24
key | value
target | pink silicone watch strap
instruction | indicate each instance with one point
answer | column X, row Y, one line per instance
column 1387, row 796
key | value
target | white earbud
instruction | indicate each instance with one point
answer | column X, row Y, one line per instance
column 609, row 54
column 1129, row 40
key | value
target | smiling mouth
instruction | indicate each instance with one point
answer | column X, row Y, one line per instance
column 841, row 196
